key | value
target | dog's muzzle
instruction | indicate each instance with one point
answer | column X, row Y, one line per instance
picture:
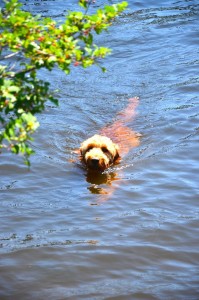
column 94, row 162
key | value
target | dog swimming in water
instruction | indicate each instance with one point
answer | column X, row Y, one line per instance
column 101, row 151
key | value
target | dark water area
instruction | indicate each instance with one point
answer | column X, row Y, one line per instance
column 133, row 232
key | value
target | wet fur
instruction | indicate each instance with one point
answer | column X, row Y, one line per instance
column 99, row 152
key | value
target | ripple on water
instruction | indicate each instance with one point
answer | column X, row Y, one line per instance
column 131, row 233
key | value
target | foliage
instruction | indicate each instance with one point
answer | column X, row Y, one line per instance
column 29, row 43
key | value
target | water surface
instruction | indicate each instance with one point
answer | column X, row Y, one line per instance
column 61, row 238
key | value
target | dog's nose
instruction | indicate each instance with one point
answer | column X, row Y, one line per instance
column 95, row 161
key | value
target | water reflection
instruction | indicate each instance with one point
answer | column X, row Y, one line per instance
column 101, row 183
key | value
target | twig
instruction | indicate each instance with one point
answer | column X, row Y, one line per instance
column 9, row 55
column 22, row 72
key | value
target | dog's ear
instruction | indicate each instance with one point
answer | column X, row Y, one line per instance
column 117, row 155
column 81, row 150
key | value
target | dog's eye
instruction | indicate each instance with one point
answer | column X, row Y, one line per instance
column 104, row 149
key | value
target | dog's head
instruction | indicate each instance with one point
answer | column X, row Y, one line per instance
column 99, row 152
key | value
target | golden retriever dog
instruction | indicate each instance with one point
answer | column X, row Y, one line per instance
column 101, row 151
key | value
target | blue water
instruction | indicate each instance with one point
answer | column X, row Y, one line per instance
column 60, row 237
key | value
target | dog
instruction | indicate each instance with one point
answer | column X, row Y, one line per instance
column 101, row 151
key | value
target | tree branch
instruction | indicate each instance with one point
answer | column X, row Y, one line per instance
column 9, row 55
column 22, row 72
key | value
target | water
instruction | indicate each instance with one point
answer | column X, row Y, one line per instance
column 61, row 237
